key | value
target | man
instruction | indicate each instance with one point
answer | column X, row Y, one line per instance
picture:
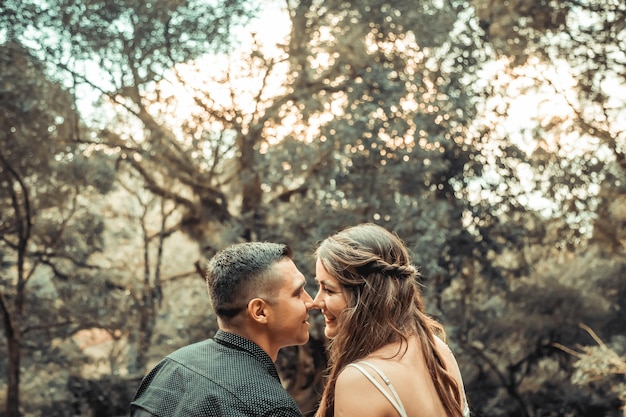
column 258, row 296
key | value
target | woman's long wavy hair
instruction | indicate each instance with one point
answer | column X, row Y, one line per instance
column 384, row 306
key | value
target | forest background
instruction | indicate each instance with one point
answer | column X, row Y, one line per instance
column 138, row 138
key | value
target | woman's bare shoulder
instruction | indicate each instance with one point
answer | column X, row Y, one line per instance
column 356, row 395
column 350, row 375
column 453, row 366
column 444, row 350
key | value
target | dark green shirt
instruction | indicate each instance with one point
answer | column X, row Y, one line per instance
column 224, row 376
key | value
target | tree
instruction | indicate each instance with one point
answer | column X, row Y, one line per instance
column 153, row 221
column 467, row 214
column 134, row 47
column 46, row 226
column 569, row 159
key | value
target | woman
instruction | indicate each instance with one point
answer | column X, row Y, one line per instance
column 386, row 357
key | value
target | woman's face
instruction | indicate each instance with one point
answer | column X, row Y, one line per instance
column 331, row 299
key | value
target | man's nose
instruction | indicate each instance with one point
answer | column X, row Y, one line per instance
column 308, row 301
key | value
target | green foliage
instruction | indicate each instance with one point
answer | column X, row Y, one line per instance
column 47, row 226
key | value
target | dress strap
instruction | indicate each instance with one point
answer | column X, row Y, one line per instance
column 395, row 400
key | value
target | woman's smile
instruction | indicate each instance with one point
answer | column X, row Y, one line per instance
column 331, row 299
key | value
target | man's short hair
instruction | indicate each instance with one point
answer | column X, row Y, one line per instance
column 241, row 272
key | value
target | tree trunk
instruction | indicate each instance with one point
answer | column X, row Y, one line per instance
column 12, row 408
column 146, row 328
column 13, row 334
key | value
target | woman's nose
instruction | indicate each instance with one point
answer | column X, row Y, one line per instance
column 317, row 300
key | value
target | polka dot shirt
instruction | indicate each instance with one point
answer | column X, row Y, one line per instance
column 225, row 376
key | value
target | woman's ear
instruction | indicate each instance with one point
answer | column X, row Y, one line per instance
column 258, row 310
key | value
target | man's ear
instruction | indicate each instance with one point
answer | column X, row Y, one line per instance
column 258, row 310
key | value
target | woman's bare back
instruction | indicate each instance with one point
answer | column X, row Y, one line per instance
column 407, row 373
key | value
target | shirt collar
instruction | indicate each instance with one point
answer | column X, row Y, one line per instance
column 241, row 343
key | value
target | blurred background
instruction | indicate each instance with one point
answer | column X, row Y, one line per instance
column 138, row 138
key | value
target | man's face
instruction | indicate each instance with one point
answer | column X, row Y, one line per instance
column 288, row 324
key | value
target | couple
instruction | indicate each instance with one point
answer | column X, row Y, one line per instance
column 386, row 357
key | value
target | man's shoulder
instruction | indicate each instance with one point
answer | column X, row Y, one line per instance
column 208, row 357
column 204, row 347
